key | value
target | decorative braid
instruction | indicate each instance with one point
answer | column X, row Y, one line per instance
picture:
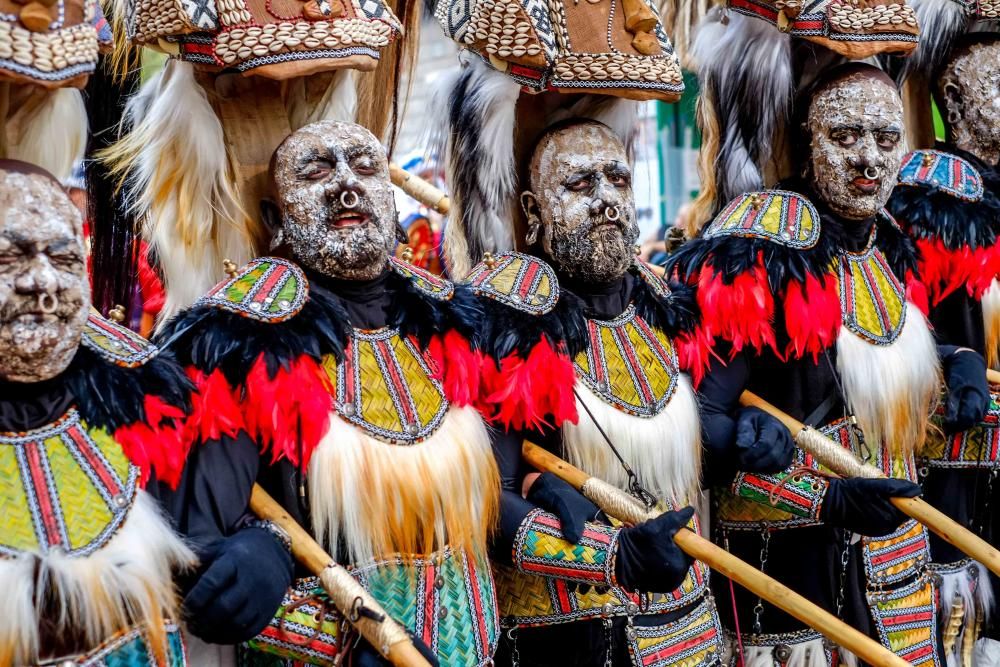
column 541, row 549
column 799, row 491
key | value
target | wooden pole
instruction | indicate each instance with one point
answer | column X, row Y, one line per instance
column 421, row 190
column 385, row 634
column 618, row 504
column 844, row 463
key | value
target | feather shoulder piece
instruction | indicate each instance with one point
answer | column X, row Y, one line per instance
column 953, row 219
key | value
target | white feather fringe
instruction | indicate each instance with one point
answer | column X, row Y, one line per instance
column 181, row 186
column 126, row 582
column 361, row 487
column 664, row 451
column 52, row 135
column 977, row 601
column 891, row 388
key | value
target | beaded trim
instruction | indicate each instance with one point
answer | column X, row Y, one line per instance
column 897, row 557
column 653, row 280
column 784, row 217
column 906, row 619
column 48, row 57
column 694, row 639
column 115, row 343
column 872, row 299
column 267, row 289
column 629, row 364
column 838, row 21
column 947, row 172
column 425, row 281
column 131, row 647
column 71, row 488
column 242, row 44
column 617, row 70
column 520, row 281
column 978, row 447
column 387, row 387
column 988, row 9
column 541, row 549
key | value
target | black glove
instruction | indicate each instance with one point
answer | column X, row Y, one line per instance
column 239, row 591
column 648, row 560
column 365, row 655
column 968, row 394
column 763, row 444
column 572, row 508
column 862, row 505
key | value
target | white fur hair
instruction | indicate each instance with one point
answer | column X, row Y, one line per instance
column 891, row 389
column 987, row 653
column 976, row 594
column 126, row 582
column 941, row 22
column 181, row 186
column 809, row 653
column 479, row 105
column 51, row 134
column 360, row 486
column 750, row 91
column 991, row 322
column 338, row 102
column 664, row 451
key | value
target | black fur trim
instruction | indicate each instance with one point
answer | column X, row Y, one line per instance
column 112, row 396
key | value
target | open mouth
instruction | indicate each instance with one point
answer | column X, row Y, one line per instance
column 866, row 185
column 36, row 317
column 349, row 219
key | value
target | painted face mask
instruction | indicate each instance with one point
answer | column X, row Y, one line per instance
column 44, row 290
column 582, row 199
column 855, row 126
column 336, row 200
column 970, row 86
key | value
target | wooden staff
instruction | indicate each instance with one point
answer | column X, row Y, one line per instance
column 618, row 504
column 421, row 190
column 843, row 462
column 350, row 597
column 992, row 376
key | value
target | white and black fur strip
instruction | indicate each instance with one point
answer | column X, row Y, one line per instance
column 750, row 87
column 971, row 582
column 941, row 22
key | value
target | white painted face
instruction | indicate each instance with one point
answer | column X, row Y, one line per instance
column 970, row 86
column 336, row 199
column 582, row 197
column 44, row 287
column 856, row 144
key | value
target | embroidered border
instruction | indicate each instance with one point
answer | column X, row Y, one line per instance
column 978, row 447
column 801, row 494
column 425, row 281
column 694, row 639
column 947, row 172
column 897, row 557
column 267, row 289
column 520, row 281
column 868, row 263
column 131, row 647
column 794, row 224
column 115, row 343
column 653, row 280
column 907, row 622
column 301, row 634
column 541, row 549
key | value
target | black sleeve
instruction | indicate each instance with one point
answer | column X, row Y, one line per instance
column 719, row 396
column 214, row 491
column 507, row 452
column 513, row 508
column 958, row 319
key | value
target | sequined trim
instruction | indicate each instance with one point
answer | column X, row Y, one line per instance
column 387, row 387
column 947, row 172
column 267, row 289
column 520, row 281
column 906, row 622
column 872, row 300
column 979, row 447
column 541, row 549
column 130, row 649
column 115, row 343
column 69, row 488
column 692, row 640
column 425, row 281
column 897, row 557
column 776, row 215
column 629, row 364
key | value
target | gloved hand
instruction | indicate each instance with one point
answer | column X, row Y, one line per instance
column 763, row 444
column 968, row 394
column 648, row 560
column 862, row 505
column 241, row 588
column 571, row 507
column 365, row 655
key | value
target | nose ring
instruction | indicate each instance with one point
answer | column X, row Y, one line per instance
column 612, row 213
column 349, row 198
column 47, row 303
column 871, row 173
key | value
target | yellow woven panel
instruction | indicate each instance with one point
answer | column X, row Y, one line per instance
column 15, row 517
column 693, row 640
column 874, row 298
column 85, row 511
column 377, row 406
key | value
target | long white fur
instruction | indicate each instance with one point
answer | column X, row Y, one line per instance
column 339, row 101
column 54, row 134
column 446, row 465
column 940, row 21
column 876, row 378
column 991, row 322
column 987, row 653
column 179, row 125
column 664, row 451
column 977, row 599
column 126, row 581
column 803, row 654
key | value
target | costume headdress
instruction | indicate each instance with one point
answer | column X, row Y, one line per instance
column 243, row 74
column 610, row 51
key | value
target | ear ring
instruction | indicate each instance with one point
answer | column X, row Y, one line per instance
column 532, row 235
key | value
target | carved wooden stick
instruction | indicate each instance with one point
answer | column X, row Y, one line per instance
column 385, row 634
column 618, row 504
column 421, row 190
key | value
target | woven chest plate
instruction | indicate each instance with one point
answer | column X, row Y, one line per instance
column 64, row 486
column 387, row 387
column 629, row 364
column 872, row 300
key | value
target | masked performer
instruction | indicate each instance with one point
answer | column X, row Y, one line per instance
column 948, row 199
column 342, row 384
column 586, row 364
column 809, row 294
column 86, row 409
